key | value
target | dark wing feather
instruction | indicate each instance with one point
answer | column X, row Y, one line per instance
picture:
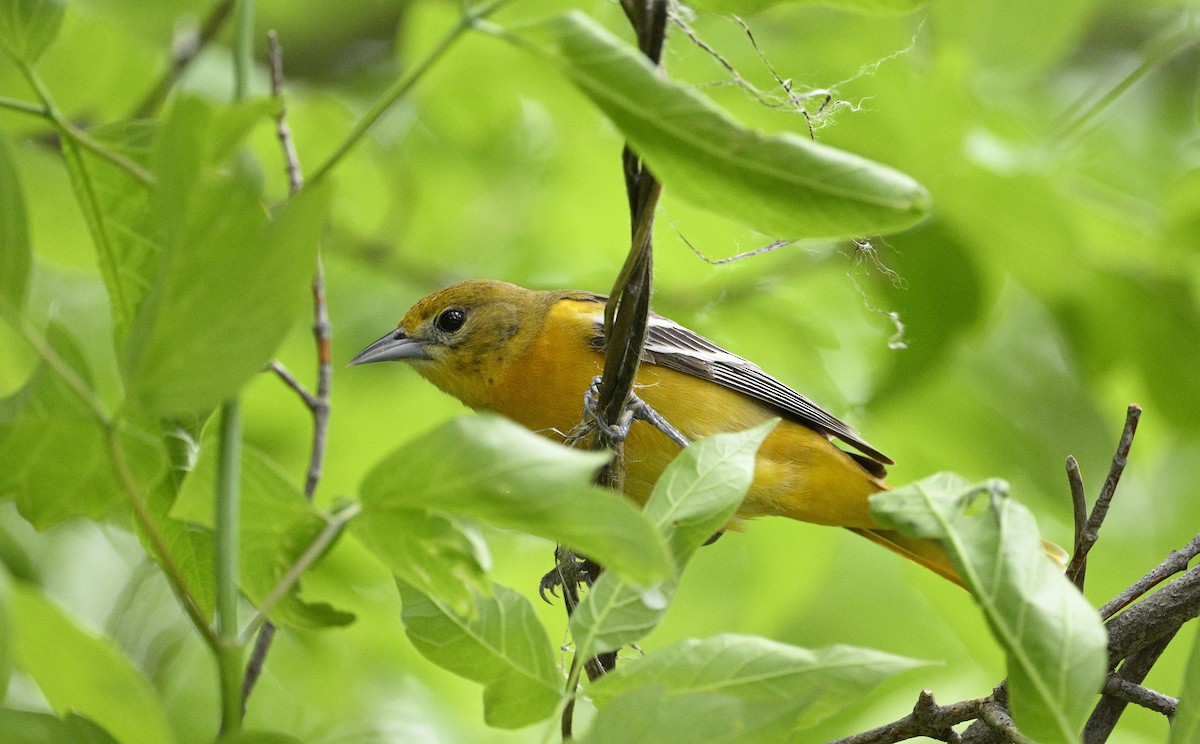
column 670, row 345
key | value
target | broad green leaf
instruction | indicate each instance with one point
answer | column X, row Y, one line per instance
column 490, row 469
column 744, row 7
column 116, row 207
column 501, row 645
column 651, row 715
column 780, row 184
column 27, row 727
column 810, row 685
column 1185, row 729
column 15, row 253
column 696, row 495
column 1055, row 645
column 53, row 651
column 231, row 281
column 27, row 27
column 277, row 525
column 429, row 552
column 48, row 423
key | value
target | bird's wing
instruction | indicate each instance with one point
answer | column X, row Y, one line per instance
column 670, row 345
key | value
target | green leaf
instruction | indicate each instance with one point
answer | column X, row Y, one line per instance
column 115, row 206
column 1185, row 729
column 431, row 553
column 277, row 525
column 230, row 282
column 48, row 422
column 695, row 497
column 783, row 185
column 493, row 470
column 500, row 644
column 53, row 651
column 27, row 27
column 26, row 727
column 1055, row 645
column 810, row 685
column 191, row 549
column 16, row 255
column 651, row 715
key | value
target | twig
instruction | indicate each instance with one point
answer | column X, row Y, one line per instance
column 282, row 130
column 927, row 719
column 1079, row 511
column 1174, row 563
column 1154, row 617
column 1123, row 689
column 1127, row 680
column 333, row 527
column 1100, row 510
column 183, row 57
column 290, row 380
column 318, row 403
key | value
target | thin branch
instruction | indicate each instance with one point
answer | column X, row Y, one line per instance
column 283, row 373
column 317, row 404
column 1154, row 617
column 24, row 107
column 1079, row 512
column 403, row 85
column 1174, row 563
column 183, row 57
column 1123, row 689
column 1127, row 680
column 1091, row 532
column 1162, row 48
column 333, row 527
column 927, row 719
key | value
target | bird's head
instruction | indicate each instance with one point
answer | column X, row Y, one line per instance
column 463, row 337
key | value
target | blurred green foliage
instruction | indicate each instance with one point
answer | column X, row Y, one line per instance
column 1055, row 282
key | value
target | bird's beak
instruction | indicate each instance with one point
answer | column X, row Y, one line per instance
column 394, row 346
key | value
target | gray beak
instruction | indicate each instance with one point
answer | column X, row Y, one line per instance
column 394, row 346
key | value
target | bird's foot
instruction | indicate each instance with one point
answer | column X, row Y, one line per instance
column 572, row 571
column 635, row 409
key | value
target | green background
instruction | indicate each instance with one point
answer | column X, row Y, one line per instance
column 1055, row 283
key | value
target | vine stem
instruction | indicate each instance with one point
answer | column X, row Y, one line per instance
column 403, row 85
column 229, row 648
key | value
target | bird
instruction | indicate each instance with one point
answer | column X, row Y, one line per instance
column 530, row 355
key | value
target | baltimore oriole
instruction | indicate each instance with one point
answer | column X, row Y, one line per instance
column 531, row 355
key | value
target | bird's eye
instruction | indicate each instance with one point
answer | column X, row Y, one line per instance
column 451, row 320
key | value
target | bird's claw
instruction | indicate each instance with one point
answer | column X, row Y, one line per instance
column 635, row 408
column 574, row 570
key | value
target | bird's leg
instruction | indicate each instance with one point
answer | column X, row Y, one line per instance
column 635, row 408
column 567, row 570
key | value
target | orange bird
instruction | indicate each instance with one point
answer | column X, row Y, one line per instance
column 531, row 356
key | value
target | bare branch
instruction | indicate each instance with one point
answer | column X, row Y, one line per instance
column 1174, row 563
column 927, row 719
column 1079, row 511
column 1100, row 510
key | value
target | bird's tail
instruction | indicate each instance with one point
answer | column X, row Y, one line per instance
column 926, row 552
column 930, row 554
